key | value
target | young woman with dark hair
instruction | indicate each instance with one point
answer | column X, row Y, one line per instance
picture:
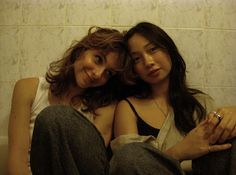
column 172, row 122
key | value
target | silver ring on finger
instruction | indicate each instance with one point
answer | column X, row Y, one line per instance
column 218, row 116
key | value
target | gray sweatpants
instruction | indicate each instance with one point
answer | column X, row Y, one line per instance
column 217, row 163
column 66, row 143
column 143, row 159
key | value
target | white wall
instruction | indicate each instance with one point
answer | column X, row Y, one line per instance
column 35, row 32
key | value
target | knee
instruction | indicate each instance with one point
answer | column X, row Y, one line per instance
column 127, row 154
column 144, row 159
column 53, row 113
column 128, row 160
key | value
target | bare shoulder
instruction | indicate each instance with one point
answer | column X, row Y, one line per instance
column 125, row 119
column 106, row 110
column 27, row 82
column 26, row 88
column 124, row 111
column 124, row 104
column 123, row 108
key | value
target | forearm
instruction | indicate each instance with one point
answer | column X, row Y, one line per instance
column 18, row 167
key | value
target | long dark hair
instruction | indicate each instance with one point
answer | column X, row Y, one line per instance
column 61, row 76
column 180, row 95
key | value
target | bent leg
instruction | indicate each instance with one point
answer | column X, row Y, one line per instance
column 65, row 142
column 217, row 163
column 142, row 159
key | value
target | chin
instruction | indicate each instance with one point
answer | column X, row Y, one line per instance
column 83, row 86
column 80, row 84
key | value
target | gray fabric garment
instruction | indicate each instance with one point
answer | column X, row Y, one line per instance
column 66, row 143
column 232, row 167
column 142, row 159
column 217, row 163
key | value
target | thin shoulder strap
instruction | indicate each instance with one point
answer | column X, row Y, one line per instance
column 132, row 107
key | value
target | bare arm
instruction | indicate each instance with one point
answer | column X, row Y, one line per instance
column 104, row 122
column 18, row 130
column 125, row 120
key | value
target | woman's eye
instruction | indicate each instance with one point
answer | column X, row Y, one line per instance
column 136, row 59
column 110, row 73
column 98, row 59
column 153, row 49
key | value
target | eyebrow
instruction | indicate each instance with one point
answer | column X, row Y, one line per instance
column 145, row 47
column 116, row 70
column 103, row 55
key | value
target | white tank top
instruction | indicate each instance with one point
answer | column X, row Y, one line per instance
column 41, row 101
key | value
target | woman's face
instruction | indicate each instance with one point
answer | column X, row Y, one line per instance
column 93, row 68
column 152, row 64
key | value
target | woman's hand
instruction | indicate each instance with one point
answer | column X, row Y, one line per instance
column 196, row 143
column 223, row 122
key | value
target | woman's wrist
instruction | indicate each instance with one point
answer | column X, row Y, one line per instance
column 175, row 153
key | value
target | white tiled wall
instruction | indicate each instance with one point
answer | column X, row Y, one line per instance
column 35, row 32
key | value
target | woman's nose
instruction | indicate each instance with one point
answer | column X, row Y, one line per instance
column 97, row 73
column 148, row 59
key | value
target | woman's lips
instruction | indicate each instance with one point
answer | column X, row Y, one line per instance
column 154, row 72
column 89, row 79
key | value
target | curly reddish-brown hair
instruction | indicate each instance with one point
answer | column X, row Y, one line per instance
column 60, row 74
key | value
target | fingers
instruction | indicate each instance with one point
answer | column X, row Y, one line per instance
column 226, row 126
column 223, row 123
column 233, row 133
column 224, row 130
column 215, row 148
column 203, row 128
column 221, row 132
column 213, row 121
